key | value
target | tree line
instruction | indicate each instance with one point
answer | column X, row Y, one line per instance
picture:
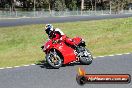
column 62, row 5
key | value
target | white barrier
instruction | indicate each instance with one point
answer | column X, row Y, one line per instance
column 17, row 14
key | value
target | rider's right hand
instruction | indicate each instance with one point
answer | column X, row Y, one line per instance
column 56, row 41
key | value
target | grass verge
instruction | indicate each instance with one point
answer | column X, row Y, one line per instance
column 21, row 44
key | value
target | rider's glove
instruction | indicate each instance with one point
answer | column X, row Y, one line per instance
column 42, row 47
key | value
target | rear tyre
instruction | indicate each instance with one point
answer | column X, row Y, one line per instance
column 85, row 56
column 54, row 60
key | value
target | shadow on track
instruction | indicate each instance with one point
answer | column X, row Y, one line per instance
column 44, row 64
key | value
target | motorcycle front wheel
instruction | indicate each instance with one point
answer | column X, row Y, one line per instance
column 54, row 60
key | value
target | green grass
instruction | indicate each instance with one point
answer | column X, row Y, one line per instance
column 21, row 45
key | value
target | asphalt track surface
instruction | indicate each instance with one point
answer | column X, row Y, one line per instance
column 44, row 20
column 39, row 76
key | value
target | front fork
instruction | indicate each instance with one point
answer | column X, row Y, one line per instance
column 54, row 52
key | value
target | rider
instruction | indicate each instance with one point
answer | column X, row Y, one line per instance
column 57, row 34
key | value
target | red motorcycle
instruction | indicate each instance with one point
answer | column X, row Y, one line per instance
column 59, row 53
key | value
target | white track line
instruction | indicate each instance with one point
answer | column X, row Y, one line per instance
column 17, row 66
column 2, row 68
column 18, row 18
column 113, row 55
column 93, row 57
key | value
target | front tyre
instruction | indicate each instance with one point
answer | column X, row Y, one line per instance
column 85, row 56
column 54, row 60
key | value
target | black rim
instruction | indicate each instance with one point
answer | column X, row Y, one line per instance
column 85, row 54
column 88, row 56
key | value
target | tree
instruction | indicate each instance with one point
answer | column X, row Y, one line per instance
column 48, row 3
column 59, row 5
column 12, row 4
column 91, row 1
column 72, row 5
column 119, row 5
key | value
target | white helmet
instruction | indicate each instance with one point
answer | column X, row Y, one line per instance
column 49, row 27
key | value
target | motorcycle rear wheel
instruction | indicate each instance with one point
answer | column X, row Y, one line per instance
column 86, row 56
column 54, row 61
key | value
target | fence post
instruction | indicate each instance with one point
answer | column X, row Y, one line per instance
column 110, row 7
column 34, row 7
column 16, row 13
column 102, row 12
column 10, row 11
column 82, row 6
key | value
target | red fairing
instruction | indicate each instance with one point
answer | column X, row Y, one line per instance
column 67, row 52
column 47, row 46
column 77, row 40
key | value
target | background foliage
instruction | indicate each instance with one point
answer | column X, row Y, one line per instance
column 61, row 5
